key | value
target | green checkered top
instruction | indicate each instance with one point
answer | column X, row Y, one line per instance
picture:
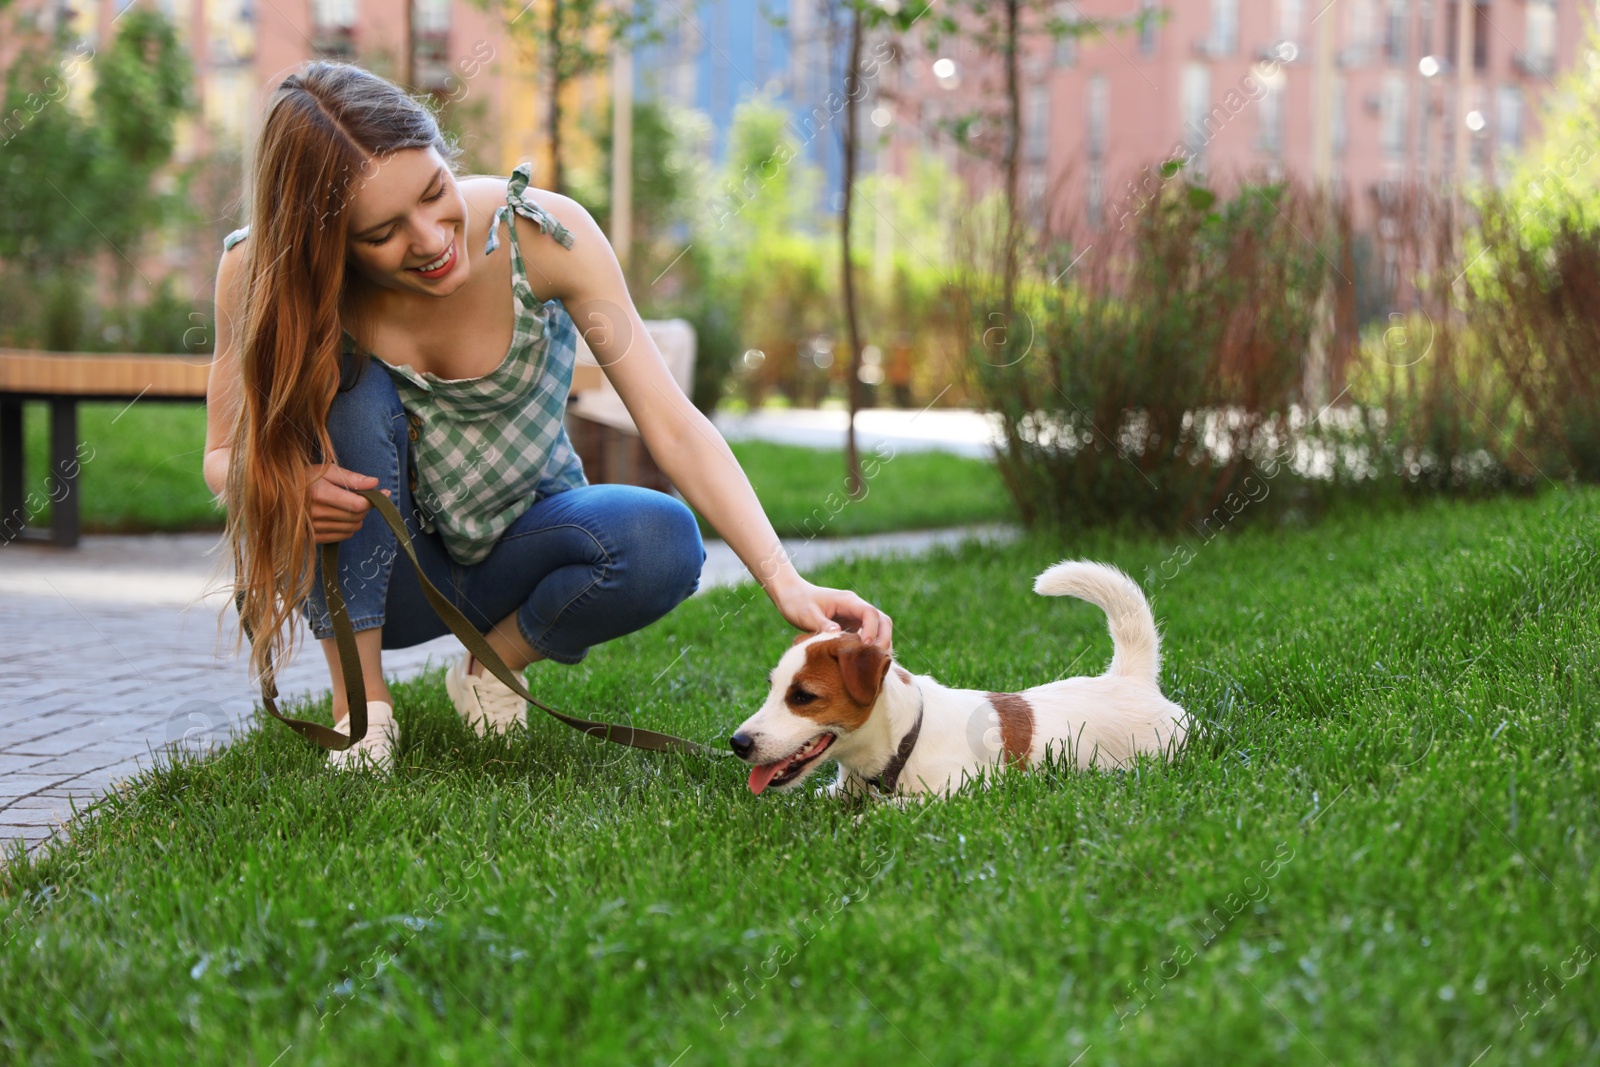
column 483, row 450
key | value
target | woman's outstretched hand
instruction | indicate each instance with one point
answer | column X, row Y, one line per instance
column 815, row 608
column 336, row 512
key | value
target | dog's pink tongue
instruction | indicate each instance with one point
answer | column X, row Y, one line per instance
column 760, row 776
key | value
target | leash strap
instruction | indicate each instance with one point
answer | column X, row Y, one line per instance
column 350, row 662
column 344, row 638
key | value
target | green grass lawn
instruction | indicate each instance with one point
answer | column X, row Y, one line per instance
column 141, row 472
column 803, row 490
column 139, row 467
column 1379, row 849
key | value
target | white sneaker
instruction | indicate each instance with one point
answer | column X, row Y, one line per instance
column 484, row 701
column 375, row 751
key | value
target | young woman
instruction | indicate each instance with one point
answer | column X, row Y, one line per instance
column 374, row 330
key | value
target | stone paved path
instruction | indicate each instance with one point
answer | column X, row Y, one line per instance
column 965, row 433
column 109, row 653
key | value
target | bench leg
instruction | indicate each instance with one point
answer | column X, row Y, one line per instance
column 13, row 517
column 64, row 471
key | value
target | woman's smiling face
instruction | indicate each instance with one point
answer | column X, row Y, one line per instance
column 409, row 214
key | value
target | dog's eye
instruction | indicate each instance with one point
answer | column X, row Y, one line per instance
column 800, row 696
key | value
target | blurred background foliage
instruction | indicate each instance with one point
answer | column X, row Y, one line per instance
column 71, row 184
column 1212, row 339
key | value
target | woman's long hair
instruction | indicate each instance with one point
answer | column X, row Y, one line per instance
column 327, row 129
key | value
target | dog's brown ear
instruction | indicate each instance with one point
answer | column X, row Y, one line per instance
column 861, row 667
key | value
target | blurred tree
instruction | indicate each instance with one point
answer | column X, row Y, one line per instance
column 1533, row 284
column 854, row 88
column 995, row 27
column 761, row 233
column 1000, row 29
column 47, row 145
column 665, row 173
column 920, row 206
column 143, row 86
column 1556, row 184
column 673, row 271
column 75, row 187
column 767, row 187
column 847, row 23
column 567, row 39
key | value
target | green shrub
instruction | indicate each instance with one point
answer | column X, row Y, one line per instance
column 1534, row 306
column 1433, row 402
column 1171, row 372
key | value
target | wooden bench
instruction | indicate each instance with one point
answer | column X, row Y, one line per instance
column 63, row 380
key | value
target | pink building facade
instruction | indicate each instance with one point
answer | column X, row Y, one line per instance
column 242, row 49
column 1233, row 86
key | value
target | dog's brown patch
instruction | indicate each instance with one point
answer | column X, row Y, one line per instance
column 844, row 675
column 902, row 674
column 1016, row 726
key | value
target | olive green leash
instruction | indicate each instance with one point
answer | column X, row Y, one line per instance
column 350, row 660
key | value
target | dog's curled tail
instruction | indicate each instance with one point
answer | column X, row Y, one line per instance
column 1133, row 629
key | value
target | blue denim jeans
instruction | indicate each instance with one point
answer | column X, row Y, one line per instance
column 578, row 567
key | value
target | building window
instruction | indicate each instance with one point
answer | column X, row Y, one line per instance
column 1393, row 116
column 1539, row 47
column 432, row 16
column 430, row 44
column 1224, row 38
column 333, row 14
column 1036, row 139
column 1099, row 115
column 1290, row 13
column 228, row 103
column 1033, row 196
column 1148, row 16
column 1508, row 117
column 1359, row 50
column 1477, row 140
column 1480, row 37
column 1394, row 31
column 1067, row 43
column 1424, row 128
column 1271, row 115
column 1095, row 196
column 1340, row 135
column 1196, row 102
column 333, row 24
column 230, row 35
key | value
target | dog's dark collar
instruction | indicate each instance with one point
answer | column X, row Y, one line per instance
column 886, row 780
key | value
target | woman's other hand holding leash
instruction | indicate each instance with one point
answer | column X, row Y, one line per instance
column 336, row 512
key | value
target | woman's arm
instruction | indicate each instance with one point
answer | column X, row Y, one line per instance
column 688, row 448
column 336, row 512
column 222, row 381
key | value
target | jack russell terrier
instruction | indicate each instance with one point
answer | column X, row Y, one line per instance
column 835, row 697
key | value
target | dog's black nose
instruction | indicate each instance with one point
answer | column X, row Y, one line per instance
column 742, row 745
